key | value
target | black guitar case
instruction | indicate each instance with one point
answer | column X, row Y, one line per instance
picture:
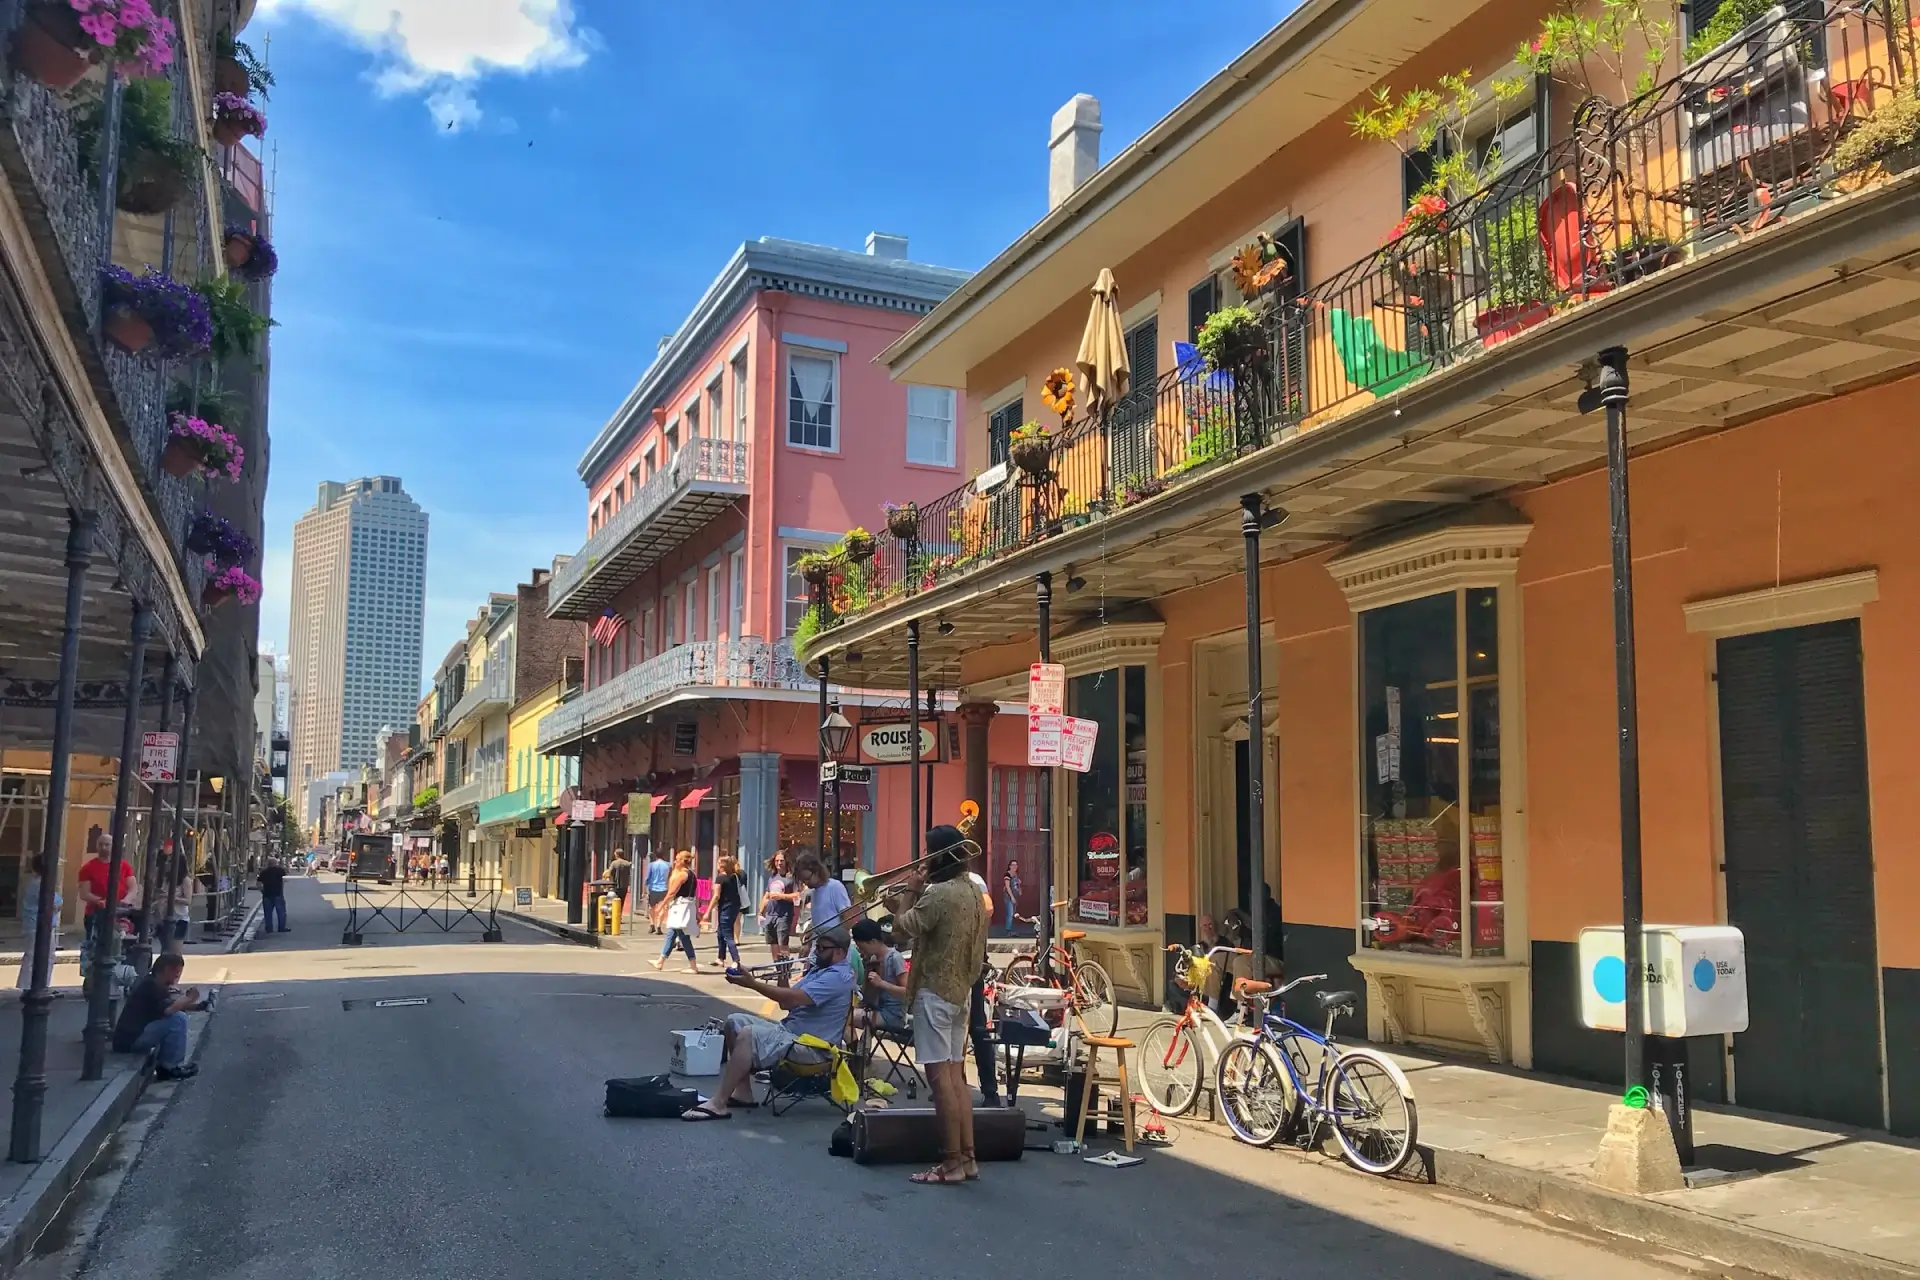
column 911, row 1135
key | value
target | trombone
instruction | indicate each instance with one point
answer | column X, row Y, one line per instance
column 870, row 887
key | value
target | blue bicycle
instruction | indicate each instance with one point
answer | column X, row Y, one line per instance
column 1289, row 1079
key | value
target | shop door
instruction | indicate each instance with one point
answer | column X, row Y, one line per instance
column 1014, row 832
column 1799, row 871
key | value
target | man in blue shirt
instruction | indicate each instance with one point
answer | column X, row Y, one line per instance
column 832, row 911
column 816, row 1006
column 657, row 873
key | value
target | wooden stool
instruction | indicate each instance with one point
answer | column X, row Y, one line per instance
column 1119, row 1045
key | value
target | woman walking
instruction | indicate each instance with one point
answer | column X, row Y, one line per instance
column 682, row 914
column 30, row 921
column 779, row 903
column 726, row 905
column 1010, row 889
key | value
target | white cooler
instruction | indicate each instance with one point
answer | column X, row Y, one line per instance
column 697, row 1052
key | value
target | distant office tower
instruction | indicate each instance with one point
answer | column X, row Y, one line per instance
column 359, row 589
column 269, row 702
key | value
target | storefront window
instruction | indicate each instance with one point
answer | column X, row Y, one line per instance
column 1415, row 748
column 1110, row 800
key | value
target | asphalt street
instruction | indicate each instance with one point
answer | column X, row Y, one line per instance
column 328, row 1136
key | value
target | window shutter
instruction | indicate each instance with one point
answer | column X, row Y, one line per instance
column 1000, row 431
column 1143, row 355
column 1202, row 301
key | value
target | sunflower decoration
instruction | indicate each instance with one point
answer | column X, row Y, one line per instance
column 1258, row 265
column 1057, row 393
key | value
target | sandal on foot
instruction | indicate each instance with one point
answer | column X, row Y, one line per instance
column 702, row 1113
column 939, row 1175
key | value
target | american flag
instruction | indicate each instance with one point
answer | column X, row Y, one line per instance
column 609, row 626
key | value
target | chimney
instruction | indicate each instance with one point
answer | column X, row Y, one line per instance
column 1073, row 152
column 665, row 342
column 882, row 245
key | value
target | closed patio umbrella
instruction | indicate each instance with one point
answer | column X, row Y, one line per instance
column 1102, row 361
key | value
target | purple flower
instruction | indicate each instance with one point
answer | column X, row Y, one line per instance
column 231, row 108
column 182, row 325
column 263, row 262
column 216, row 538
column 219, row 451
column 237, row 580
column 128, row 33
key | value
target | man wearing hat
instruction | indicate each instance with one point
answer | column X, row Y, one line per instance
column 948, row 924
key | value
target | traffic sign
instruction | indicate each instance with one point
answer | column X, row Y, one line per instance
column 159, row 757
column 583, row 810
column 1076, row 743
column 1046, row 688
column 1044, row 740
column 829, row 770
column 856, row 773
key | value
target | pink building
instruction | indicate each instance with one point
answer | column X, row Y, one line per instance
column 763, row 430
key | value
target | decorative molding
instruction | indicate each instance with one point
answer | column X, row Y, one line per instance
column 1487, row 1007
column 1145, row 309
column 1429, row 563
column 1116, row 644
column 1015, row 390
column 1796, row 604
column 814, row 344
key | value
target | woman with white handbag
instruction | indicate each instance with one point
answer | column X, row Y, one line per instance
column 683, row 920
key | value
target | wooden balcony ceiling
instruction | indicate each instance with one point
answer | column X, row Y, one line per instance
column 1813, row 310
column 677, row 520
column 33, row 597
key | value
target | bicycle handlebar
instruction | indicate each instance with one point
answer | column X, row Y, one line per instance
column 1232, row 951
column 1298, row 982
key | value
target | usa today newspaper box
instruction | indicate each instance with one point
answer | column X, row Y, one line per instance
column 1696, row 985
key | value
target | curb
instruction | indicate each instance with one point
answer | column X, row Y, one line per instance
column 40, row 1198
column 577, row 934
column 1652, row 1221
column 242, row 939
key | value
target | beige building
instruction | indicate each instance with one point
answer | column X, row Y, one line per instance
column 359, row 586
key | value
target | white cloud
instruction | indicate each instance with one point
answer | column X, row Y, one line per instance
column 441, row 49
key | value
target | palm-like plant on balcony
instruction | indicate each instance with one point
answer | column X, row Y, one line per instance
column 232, row 583
column 215, row 537
column 59, row 39
column 236, row 69
column 154, row 313
column 235, row 118
column 249, row 254
column 156, row 165
column 237, row 327
column 194, row 444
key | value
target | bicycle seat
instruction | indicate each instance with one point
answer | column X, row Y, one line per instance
column 1251, row 987
column 1072, row 935
column 1337, row 1001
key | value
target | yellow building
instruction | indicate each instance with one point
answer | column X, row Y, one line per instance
column 523, row 816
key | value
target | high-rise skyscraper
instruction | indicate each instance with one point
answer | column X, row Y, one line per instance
column 359, row 592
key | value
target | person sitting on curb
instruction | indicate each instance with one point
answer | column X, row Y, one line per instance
column 816, row 1006
column 155, row 1017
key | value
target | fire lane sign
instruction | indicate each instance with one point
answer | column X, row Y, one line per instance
column 159, row 757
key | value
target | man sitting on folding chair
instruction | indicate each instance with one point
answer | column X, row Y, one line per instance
column 882, row 1012
column 816, row 1005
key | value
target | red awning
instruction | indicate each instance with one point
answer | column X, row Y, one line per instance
column 694, row 796
column 803, row 787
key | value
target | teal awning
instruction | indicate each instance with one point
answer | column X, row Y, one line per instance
column 514, row 806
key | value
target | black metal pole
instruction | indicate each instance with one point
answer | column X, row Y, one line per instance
column 820, row 795
column 933, row 713
column 140, row 954
column 1610, row 387
column 1043, row 943
column 915, row 830
column 106, row 939
column 179, row 865
column 1250, row 516
column 576, row 862
column 30, row 1082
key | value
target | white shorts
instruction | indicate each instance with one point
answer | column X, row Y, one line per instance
column 939, row 1030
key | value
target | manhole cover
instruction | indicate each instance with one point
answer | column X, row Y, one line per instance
column 387, row 1002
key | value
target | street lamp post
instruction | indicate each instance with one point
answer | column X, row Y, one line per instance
column 835, row 733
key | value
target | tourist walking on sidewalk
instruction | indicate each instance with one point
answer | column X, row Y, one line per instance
column 30, row 920
column 620, row 872
column 948, row 924
column 779, row 904
column 726, row 906
column 273, row 897
column 682, row 913
column 657, row 875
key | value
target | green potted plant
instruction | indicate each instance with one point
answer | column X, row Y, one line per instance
column 156, row 167
column 1519, row 281
column 237, row 327
column 1233, row 339
column 1209, row 439
column 236, row 69
column 814, row 568
column 1888, row 138
column 1643, row 254
column 858, row 544
column 1031, row 448
column 903, row 519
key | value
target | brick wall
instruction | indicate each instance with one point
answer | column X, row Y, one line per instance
column 544, row 643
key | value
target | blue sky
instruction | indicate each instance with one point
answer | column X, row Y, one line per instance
column 489, row 211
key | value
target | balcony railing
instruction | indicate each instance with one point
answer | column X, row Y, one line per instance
column 470, row 793
column 68, row 212
column 702, row 479
column 493, row 691
column 746, row 663
column 1745, row 138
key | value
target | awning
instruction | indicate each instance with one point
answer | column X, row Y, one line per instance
column 803, row 787
column 511, row 807
column 694, row 796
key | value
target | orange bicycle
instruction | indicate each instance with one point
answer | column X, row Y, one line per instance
column 1090, row 984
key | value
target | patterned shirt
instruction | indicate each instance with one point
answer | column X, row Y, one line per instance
column 949, row 930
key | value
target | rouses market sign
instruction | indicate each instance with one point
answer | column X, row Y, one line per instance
column 893, row 743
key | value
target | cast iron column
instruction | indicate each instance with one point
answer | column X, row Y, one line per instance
column 140, row 954
column 820, row 794
column 1043, row 943
column 106, row 939
column 1610, row 388
column 933, row 718
column 179, row 865
column 915, row 831
column 576, row 865
column 1256, row 744
column 30, row 1083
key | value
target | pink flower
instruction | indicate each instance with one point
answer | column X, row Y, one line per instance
column 102, row 27
column 136, row 13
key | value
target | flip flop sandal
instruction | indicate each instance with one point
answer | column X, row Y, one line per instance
column 700, row 1115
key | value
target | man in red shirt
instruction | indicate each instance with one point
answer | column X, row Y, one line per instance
column 93, row 879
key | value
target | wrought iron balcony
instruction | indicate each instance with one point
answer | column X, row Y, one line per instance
column 469, row 794
column 1746, row 139
column 703, row 478
column 494, row 691
column 709, row 667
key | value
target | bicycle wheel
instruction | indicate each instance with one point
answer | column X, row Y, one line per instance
column 1171, row 1061
column 1370, row 1105
column 1019, row 972
column 1253, row 1091
column 1093, row 993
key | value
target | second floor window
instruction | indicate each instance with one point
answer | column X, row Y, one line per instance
column 810, row 401
column 646, row 634
column 1000, row 427
column 716, row 418
column 930, row 426
column 799, row 594
column 740, row 398
column 693, row 420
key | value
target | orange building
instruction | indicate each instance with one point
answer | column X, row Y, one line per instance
column 1403, row 394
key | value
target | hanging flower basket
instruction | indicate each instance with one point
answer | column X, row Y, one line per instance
column 230, row 76
column 230, row 584
column 173, row 320
column 815, row 569
column 128, row 330
column 903, row 521
column 249, row 254
column 1033, row 455
column 205, row 446
column 151, row 182
column 235, row 118
column 50, row 48
column 58, row 39
column 858, row 545
column 216, row 538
